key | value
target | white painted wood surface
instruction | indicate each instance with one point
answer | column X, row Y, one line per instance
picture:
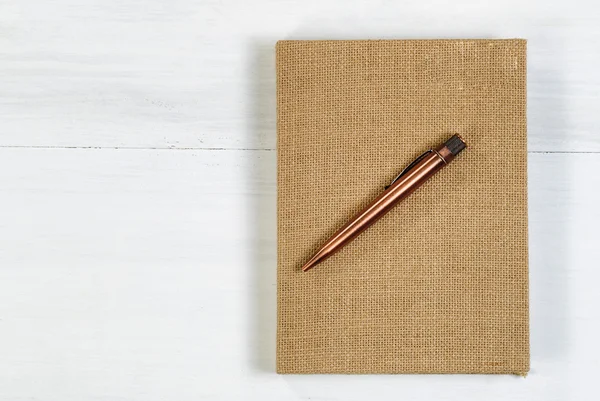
column 137, row 196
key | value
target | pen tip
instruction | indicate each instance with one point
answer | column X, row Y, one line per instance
column 307, row 266
column 312, row 262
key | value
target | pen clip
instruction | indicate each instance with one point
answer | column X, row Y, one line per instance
column 410, row 166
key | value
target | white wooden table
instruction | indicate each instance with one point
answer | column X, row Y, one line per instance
column 137, row 196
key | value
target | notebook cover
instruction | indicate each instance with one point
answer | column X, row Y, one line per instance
column 440, row 284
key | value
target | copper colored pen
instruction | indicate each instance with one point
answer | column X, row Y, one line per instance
column 411, row 178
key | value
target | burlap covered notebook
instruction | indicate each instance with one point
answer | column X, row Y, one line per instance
column 440, row 284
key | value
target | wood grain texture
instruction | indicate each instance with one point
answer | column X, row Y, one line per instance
column 143, row 274
column 187, row 75
column 131, row 273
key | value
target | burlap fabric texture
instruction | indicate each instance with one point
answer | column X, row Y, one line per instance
column 440, row 284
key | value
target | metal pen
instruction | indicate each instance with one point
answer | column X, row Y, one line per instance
column 411, row 178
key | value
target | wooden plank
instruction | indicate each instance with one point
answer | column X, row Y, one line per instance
column 143, row 75
column 143, row 274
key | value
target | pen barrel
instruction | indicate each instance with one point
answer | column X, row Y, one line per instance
column 398, row 191
column 406, row 183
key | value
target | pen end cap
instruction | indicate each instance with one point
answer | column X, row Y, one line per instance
column 455, row 144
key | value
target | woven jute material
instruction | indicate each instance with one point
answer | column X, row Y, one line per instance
column 440, row 284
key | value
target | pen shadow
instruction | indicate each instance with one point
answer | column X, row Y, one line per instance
column 261, row 177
